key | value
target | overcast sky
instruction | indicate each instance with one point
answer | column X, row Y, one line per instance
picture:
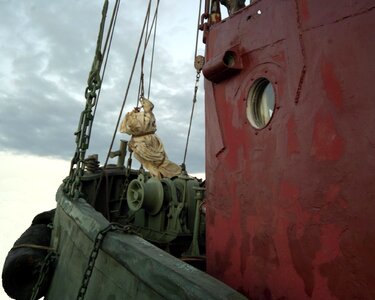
column 46, row 51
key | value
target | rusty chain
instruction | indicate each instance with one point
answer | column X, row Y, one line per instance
column 91, row 263
column 73, row 183
column 48, row 261
column 95, row 252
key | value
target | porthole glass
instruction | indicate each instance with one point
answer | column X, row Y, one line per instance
column 260, row 103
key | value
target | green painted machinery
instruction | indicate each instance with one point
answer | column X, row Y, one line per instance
column 164, row 210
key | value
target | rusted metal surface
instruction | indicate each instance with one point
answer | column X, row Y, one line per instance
column 290, row 207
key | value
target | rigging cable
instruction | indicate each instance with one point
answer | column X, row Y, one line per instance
column 147, row 39
column 141, row 79
column 124, row 100
column 198, row 25
column 72, row 185
column 199, row 69
column 141, row 88
column 128, row 86
column 108, row 43
column 153, row 52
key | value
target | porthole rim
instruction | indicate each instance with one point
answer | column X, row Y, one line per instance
column 261, row 84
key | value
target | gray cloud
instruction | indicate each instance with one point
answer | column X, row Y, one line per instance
column 47, row 50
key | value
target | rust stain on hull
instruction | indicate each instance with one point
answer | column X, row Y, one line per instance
column 290, row 207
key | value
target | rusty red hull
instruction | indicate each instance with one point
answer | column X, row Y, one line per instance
column 291, row 207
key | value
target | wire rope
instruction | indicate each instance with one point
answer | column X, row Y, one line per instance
column 108, row 43
column 153, row 51
column 129, row 83
column 195, row 87
column 147, row 39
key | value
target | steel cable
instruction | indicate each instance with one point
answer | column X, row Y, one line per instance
column 195, row 87
column 129, row 83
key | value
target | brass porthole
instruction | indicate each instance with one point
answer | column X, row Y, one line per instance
column 260, row 103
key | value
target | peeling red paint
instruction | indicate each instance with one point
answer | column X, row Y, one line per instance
column 304, row 4
column 303, row 252
column 330, row 238
column 327, row 144
column 290, row 208
column 292, row 138
column 331, row 84
column 288, row 194
column 332, row 193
